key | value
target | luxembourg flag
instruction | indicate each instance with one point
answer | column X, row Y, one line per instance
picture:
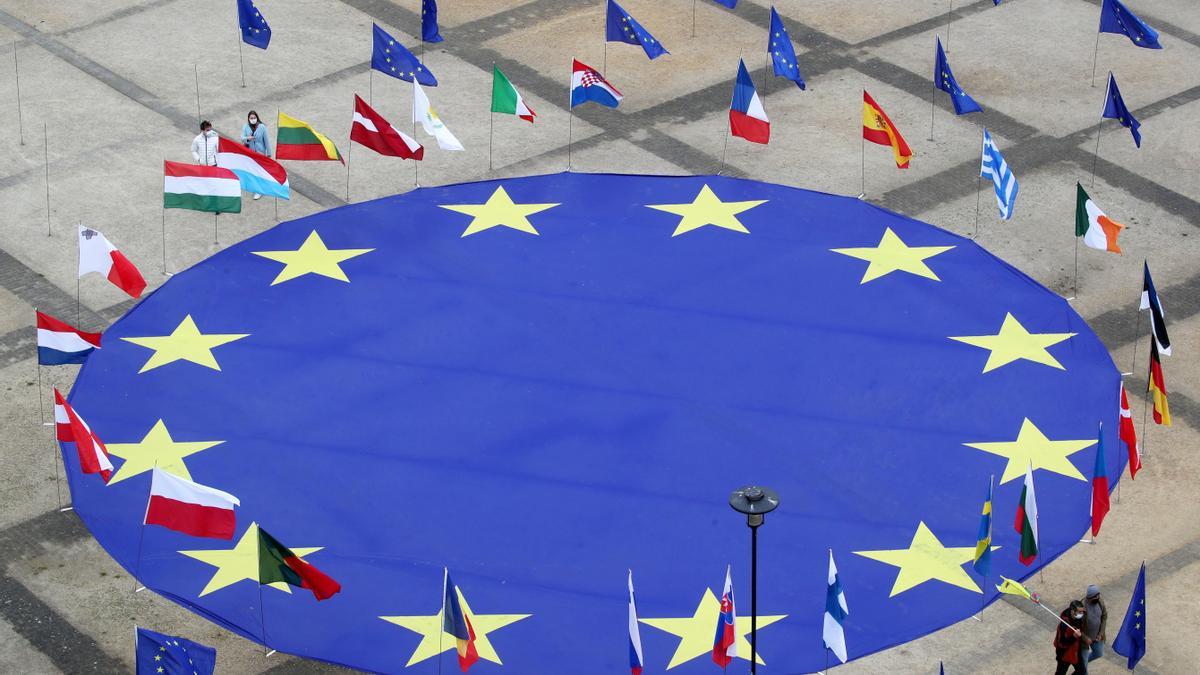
column 258, row 173
column 635, row 636
column 181, row 505
column 70, row 428
column 59, row 343
column 589, row 85
column 97, row 254
column 724, row 648
column 747, row 118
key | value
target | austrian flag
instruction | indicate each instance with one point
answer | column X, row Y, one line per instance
column 96, row 254
column 70, row 428
column 181, row 505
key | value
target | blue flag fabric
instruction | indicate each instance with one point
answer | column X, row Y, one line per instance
column 1114, row 109
column 429, row 24
column 993, row 166
column 728, row 3
column 983, row 542
column 622, row 27
column 159, row 654
column 1116, row 18
column 1131, row 639
column 783, row 54
column 943, row 78
column 255, row 31
column 390, row 57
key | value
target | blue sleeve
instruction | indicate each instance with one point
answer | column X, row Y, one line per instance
column 266, row 138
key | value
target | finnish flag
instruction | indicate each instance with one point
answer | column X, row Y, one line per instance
column 835, row 614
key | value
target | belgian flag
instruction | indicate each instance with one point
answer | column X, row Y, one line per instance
column 1158, row 387
column 276, row 562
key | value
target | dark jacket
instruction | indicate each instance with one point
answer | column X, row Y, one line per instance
column 1066, row 643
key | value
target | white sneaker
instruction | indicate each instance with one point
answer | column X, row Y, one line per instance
column 257, row 197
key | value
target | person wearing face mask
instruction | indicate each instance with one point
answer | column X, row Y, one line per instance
column 254, row 136
column 1069, row 648
column 1095, row 623
column 204, row 145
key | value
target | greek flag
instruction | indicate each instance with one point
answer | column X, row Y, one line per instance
column 835, row 613
column 993, row 166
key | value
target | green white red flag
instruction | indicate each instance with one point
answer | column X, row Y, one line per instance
column 506, row 99
column 1026, row 523
column 201, row 188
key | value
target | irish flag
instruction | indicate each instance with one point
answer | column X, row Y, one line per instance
column 1026, row 524
column 1098, row 230
column 181, row 505
column 298, row 140
column 506, row 99
column 201, row 188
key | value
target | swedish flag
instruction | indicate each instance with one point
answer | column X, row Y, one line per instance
column 983, row 548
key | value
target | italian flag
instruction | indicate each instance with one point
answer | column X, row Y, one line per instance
column 506, row 99
column 277, row 562
column 1026, row 524
column 1098, row 230
column 201, row 188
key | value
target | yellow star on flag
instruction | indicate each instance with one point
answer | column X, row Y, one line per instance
column 156, row 448
column 1014, row 342
column 498, row 210
column 239, row 563
column 695, row 633
column 185, row 343
column 1033, row 448
column 893, row 255
column 435, row 641
column 926, row 559
column 313, row 257
column 708, row 209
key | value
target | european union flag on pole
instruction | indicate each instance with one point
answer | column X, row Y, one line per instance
column 993, row 166
column 390, row 57
column 1131, row 639
column 624, row 28
column 159, row 654
column 1114, row 109
column 1116, row 18
column 255, row 31
column 429, row 27
column 783, row 55
column 943, row 78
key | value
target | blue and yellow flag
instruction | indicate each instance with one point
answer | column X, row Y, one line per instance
column 390, row 57
column 783, row 54
column 943, row 78
column 983, row 547
column 622, row 27
column 1131, row 639
column 1116, row 18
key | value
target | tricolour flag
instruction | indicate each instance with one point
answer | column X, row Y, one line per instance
column 983, row 543
column 181, row 505
column 277, row 563
column 1115, row 18
column 727, row 3
column 295, row 139
column 1157, row 387
column 878, row 128
column 456, row 623
column 1011, row 587
column 97, row 254
column 433, row 125
column 370, row 129
column 747, row 118
column 257, row 173
column 724, row 649
column 1100, row 502
column 201, row 188
column 255, row 31
column 1129, row 435
column 392, row 58
column 1131, row 638
column 70, row 428
column 59, row 343
column 1114, row 109
column 635, row 636
column 783, row 54
column 589, row 85
column 993, row 166
column 943, row 78
column 1158, row 320
column 1026, row 523
column 159, row 654
column 506, row 99
column 429, row 22
column 832, row 633
column 1098, row 230
column 622, row 27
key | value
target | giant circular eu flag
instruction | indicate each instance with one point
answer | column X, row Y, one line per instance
column 525, row 388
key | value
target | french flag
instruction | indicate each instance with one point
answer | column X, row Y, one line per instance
column 747, row 118
column 59, row 343
column 589, row 85
column 725, row 641
column 70, row 428
column 97, row 254
column 181, row 505
column 635, row 636
column 257, row 173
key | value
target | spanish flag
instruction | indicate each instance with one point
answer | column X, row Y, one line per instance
column 1158, row 388
column 298, row 140
column 877, row 128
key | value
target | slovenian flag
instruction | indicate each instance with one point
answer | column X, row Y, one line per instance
column 97, row 254
column 747, row 118
column 724, row 648
column 59, row 343
column 70, row 428
column 635, row 636
column 589, row 85
column 257, row 173
column 181, row 505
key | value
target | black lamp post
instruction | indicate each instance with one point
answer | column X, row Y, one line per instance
column 756, row 502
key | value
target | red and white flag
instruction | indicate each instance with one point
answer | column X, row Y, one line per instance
column 97, row 254
column 370, row 129
column 93, row 456
column 181, row 505
column 1129, row 435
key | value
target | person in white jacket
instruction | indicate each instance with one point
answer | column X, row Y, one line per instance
column 204, row 146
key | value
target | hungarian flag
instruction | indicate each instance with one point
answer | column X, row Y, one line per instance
column 1129, row 435
column 58, row 342
column 370, row 129
column 506, row 99
column 97, row 255
column 1099, row 486
column 1026, row 524
column 878, row 128
column 297, row 140
column 747, row 118
column 1157, row 387
column 724, row 648
column 1098, row 230
column 276, row 563
column 201, row 188
column 70, row 428
column 457, row 623
column 1158, row 320
column 181, row 505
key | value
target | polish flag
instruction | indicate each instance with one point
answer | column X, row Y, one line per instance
column 93, row 457
column 181, row 505
column 97, row 254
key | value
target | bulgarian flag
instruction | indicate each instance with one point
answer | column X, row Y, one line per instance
column 298, row 140
column 1098, row 230
column 277, row 562
column 506, row 99
column 1026, row 524
column 201, row 188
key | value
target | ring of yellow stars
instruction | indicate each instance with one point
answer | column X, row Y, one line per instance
column 156, row 449
column 708, row 209
column 695, row 632
column 926, row 559
column 498, row 210
column 893, row 255
column 1013, row 343
column 1032, row 448
column 313, row 257
column 434, row 640
column 239, row 563
column 185, row 343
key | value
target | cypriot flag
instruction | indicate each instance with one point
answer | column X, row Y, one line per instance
column 423, row 113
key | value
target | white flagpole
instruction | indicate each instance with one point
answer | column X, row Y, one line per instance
column 1096, row 51
column 933, row 83
column 241, row 60
column 571, row 111
column 17, row 78
column 442, row 617
column 37, row 363
column 46, row 160
column 978, row 186
column 1099, row 127
column 949, row 11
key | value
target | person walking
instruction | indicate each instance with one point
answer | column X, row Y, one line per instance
column 204, row 145
column 1095, row 623
column 255, row 137
column 1069, row 649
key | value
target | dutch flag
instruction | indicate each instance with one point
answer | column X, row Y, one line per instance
column 589, row 85
column 747, row 118
column 59, row 343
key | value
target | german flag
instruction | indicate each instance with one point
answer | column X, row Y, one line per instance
column 298, row 140
column 277, row 562
column 877, row 128
column 1158, row 388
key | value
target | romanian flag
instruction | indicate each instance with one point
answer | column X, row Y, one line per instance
column 298, row 140
column 456, row 623
column 877, row 128
column 1158, row 388
column 277, row 562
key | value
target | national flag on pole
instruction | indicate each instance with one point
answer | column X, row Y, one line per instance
column 1100, row 502
column 878, row 128
column 255, row 31
column 433, row 125
column 1114, row 109
column 201, row 188
column 181, row 505
column 97, row 254
column 392, row 58
column 589, row 85
column 635, row 636
column 297, row 140
column 622, row 27
column 993, row 166
column 429, row 22
column 370, row 129
column 70, row 428
column 256, row 172
column 1158, row 320
column 943, row 78
column 747, row 119
column 456, row 623
column 1011, row 587
column 1131, row 638
column 783, row 54
column 1026, row 523
column 159, row 654
column 724, row 648
column 1129, row 435
column 59, row 343
column 832, row 633
column 277, row 563
column 506, row 99
column 1158, row 388
column 727, row 3
column 1115, row 18
column 1098, row 230
column 983, row 544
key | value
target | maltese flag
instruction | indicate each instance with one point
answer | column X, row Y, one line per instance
column 747, row 118
column 97, row 254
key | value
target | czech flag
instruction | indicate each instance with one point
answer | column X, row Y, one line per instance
column 725, row 641
column 589, row 85
column 747, row 118
column 59, row 343
column 1100, row 504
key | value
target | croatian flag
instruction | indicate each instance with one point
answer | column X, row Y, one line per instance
column 97, row 254
column 257, row 173
column 635, row 636
column 725, row 641
column 747, row 118
column 589, row 85
column 70, row 428
column 181, row 505
column 59, row 343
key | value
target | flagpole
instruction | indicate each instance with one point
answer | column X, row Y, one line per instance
column 215, row 240
column 241, row 60
column 693, row 18
column 1096, row 154
column 949, row 11
column 78, row 255
column 1096, row 51
column 17, row 78
column 724, row 149
column 571, row 117
column 1075, row 294
column 863, row 162
column 37, row 363
column 371, row 86
column 164, row 240
column 442, row 629
column 46, row 161
column 199, row 118
column 137, row 563
column 262, row 618
column 1137, row 336
column 55, row 454
column 491, row 122
column 933, row 82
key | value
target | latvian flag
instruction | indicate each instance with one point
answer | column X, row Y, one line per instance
column 181, row 505
column 370, row 129
column 257, row 173
column 93, row 457
column 747, row 119
column 589, row 85
column 201, row 188
column 59, row 343
column 97, row 254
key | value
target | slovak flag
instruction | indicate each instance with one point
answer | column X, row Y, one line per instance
column 635, row 636
column 747, row 118
column 589, row 85
column 70, row 428
column 59, row 343
column 97, row 254
column 725, row 641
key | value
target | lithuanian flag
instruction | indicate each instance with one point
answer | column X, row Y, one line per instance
column 277, row 562
column 298, row 140
column 1158, row 388
column 877, row 128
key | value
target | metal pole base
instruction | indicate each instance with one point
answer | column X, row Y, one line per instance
column 270, row 653
column 139, row 589
column 66, row 508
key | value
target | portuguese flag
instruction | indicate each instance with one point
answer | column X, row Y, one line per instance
column 276, row 562
column 201, row 188
column 1026, row 524
column 506, row 98
column 298, row 140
